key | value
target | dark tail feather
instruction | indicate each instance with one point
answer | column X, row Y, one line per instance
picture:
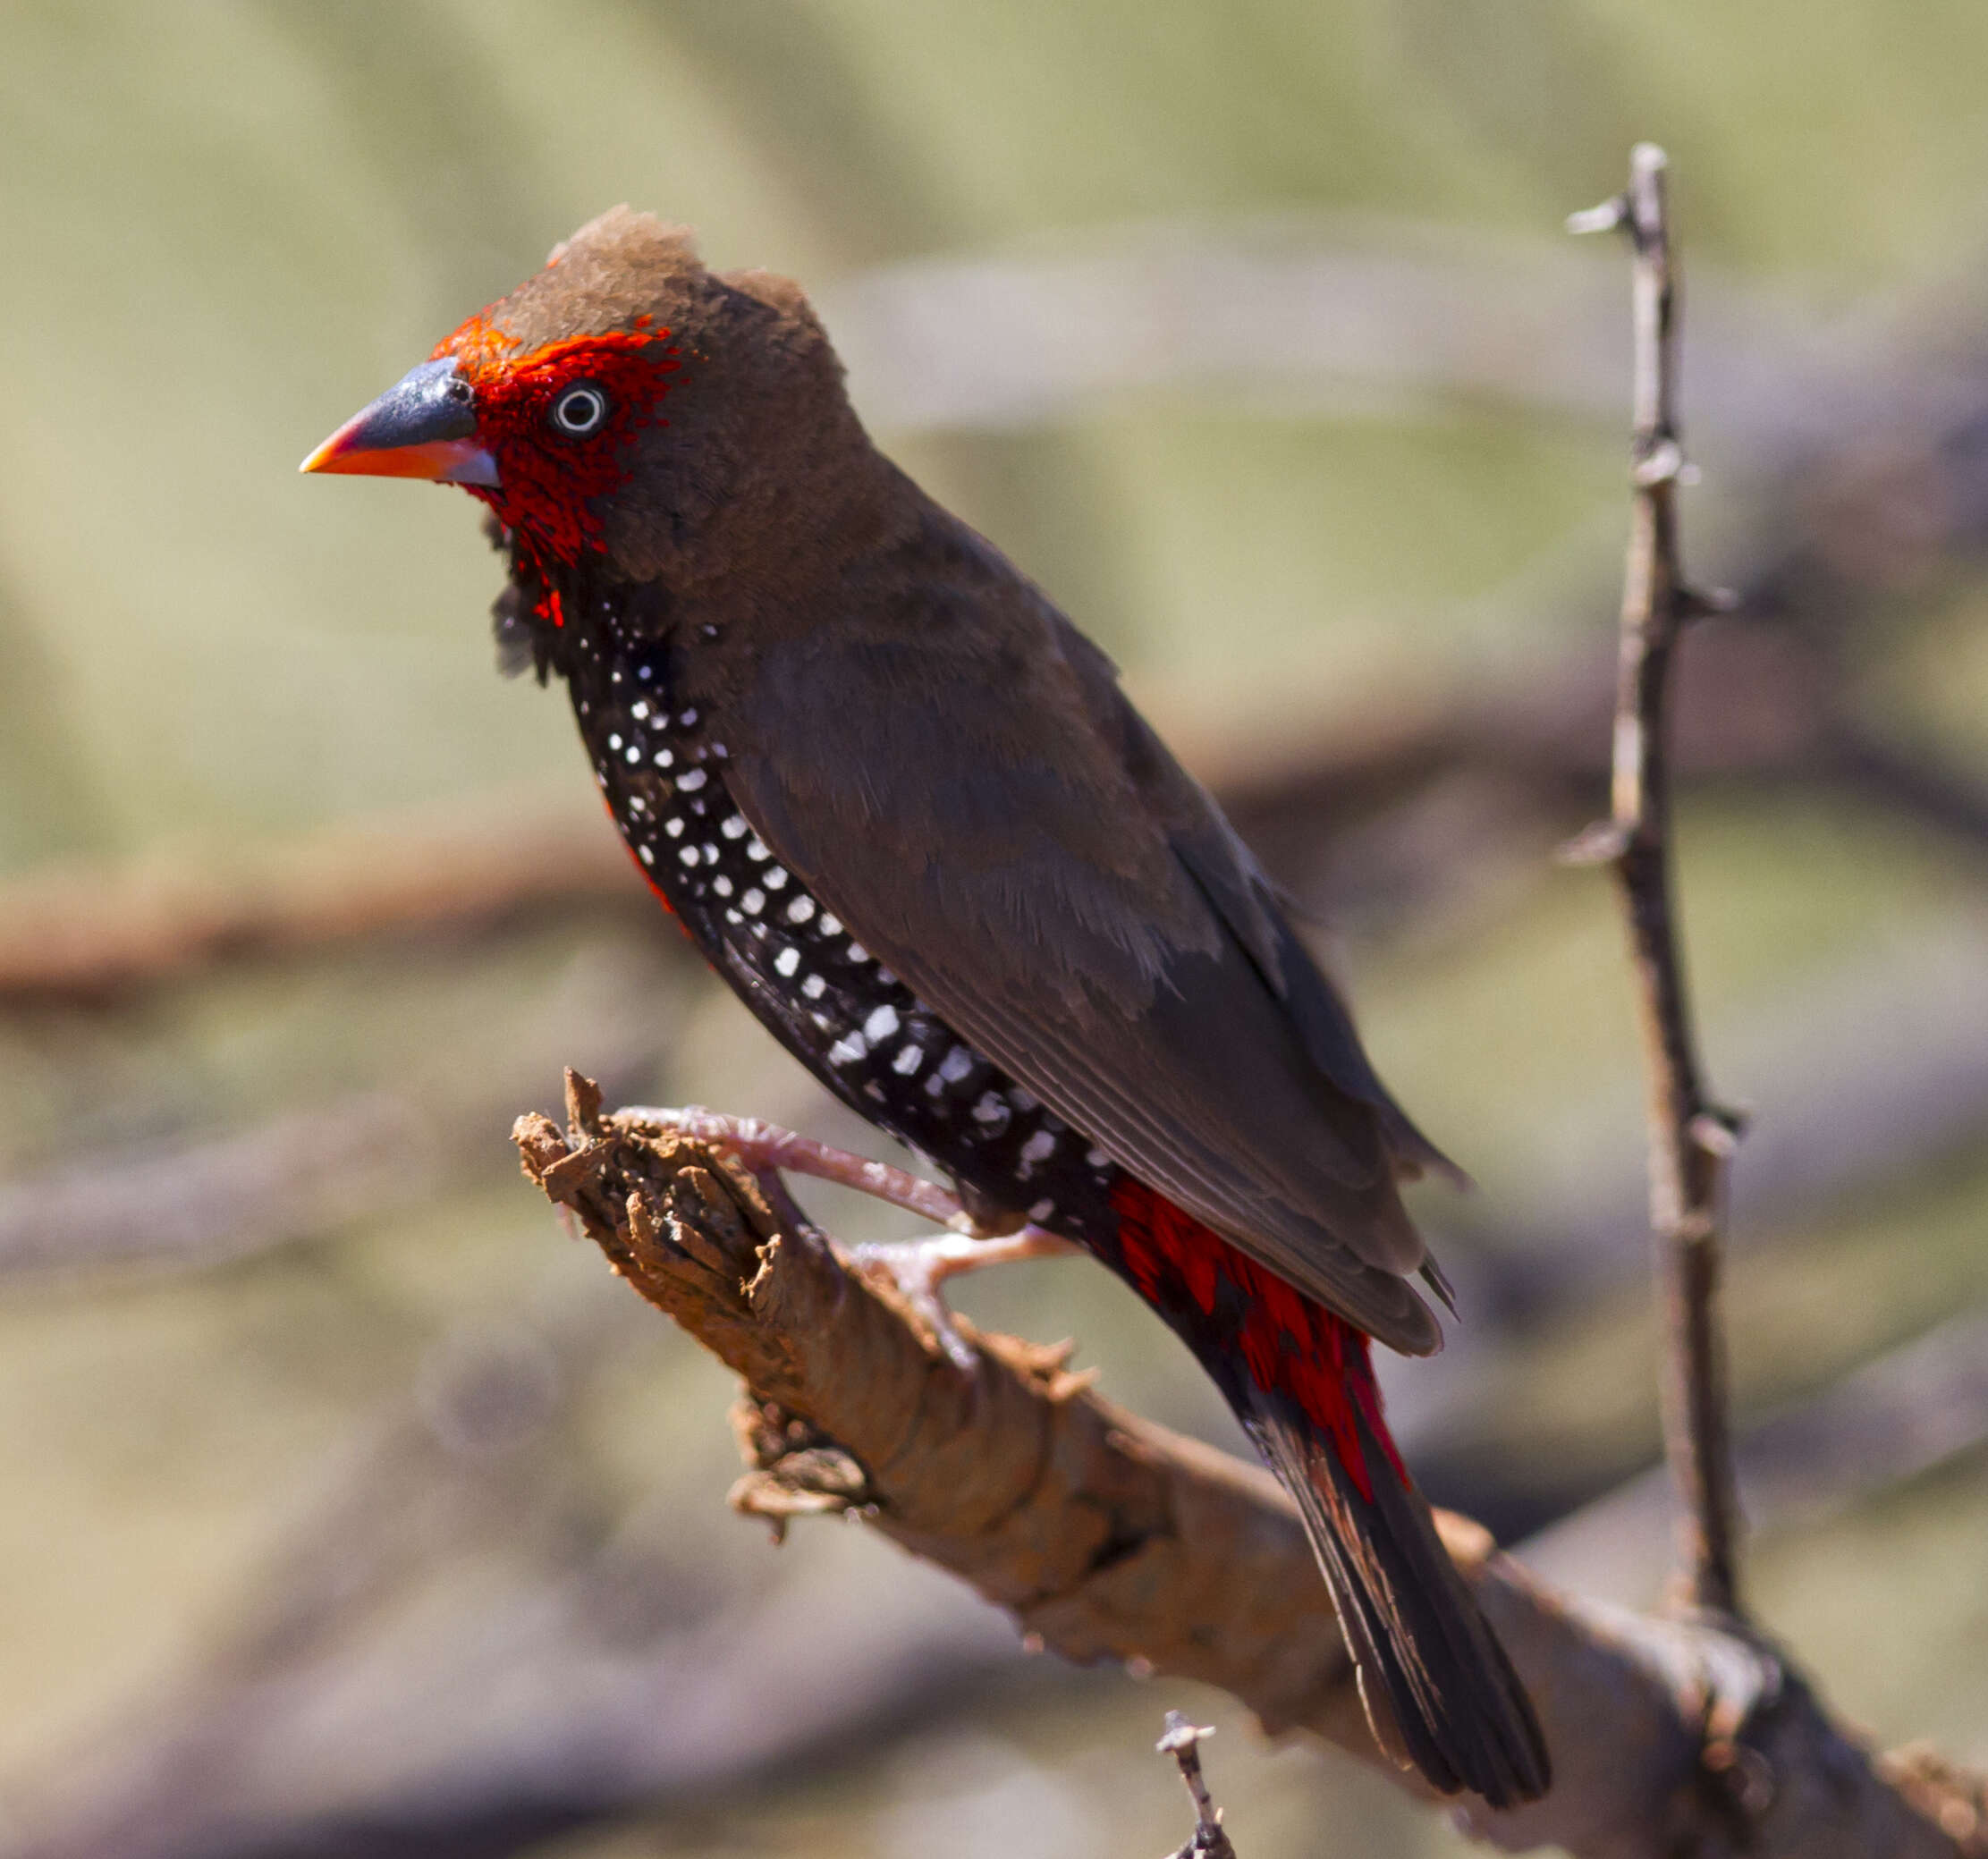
column 1459, row 1713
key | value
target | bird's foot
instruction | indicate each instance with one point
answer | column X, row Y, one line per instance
column 915, row 1269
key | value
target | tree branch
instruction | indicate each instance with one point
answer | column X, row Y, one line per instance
column 1108, row 1538
column 1691, row 1138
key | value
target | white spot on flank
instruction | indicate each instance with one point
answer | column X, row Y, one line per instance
column 857, row 953
column 787, row 961
column 646, row 673
column 687, row 718
column 613, row 742
column 832, row 926
column 800, row 909
column 957, row 1064
column 814, row 987
column 1023, row 1100
column 639, row 711
column 1041, row 1210
column 990, row 1110
column 754, row 849
column 884, row 976
column 632, row 753
column 673, row 827
column 687, row 854
column 753, row 902
column 662, row 758
column 1096, row 1158
column 691, row 780
column 723, row 887
column 646, row 854
column 734, row 826
column 1039, row 1147
column 775, row 878
column 910, row 1057
column 847, row 1050
column 881, row 1024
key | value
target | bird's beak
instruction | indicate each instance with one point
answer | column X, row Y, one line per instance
column 423, row 427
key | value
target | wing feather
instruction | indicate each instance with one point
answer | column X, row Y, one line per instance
column 977, row 800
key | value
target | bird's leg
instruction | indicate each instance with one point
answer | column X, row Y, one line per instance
column 769, row 1151
column 915, row 1268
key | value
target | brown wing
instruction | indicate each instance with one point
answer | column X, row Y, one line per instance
column 974, row 797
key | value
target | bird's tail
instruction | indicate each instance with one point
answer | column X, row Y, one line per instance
column 1448, row 1702
column 1439, row 1691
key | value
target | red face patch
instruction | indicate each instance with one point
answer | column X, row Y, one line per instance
column 558, row 420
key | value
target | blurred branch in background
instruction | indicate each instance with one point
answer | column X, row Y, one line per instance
column 1309, row 315
column 1108, row 1538
column 298, row 1175
column 80, row 934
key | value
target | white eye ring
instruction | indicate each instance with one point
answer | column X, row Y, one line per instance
column 581, row 410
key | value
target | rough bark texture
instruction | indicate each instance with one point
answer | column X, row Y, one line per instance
column 1107, row 1537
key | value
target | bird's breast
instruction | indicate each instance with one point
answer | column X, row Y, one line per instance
column 660, row 763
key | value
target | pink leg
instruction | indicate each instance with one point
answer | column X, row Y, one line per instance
column 915, row 1268
column 765, row 1148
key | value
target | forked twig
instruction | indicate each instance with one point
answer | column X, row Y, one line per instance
column 1690, row 1138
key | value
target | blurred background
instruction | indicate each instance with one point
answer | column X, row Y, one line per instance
column 349, row 1508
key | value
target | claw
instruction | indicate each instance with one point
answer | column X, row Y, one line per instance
column 915, row 1270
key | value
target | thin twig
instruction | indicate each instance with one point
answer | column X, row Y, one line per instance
column 1691, row 1138
column 1182, row 1742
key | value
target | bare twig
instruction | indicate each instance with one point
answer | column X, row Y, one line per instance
column 1691, row 1138
column 1182, row 1742
column 1108, row 1538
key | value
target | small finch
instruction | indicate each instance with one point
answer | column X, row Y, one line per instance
column 902, row 806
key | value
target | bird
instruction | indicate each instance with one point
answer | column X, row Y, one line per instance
column 903, row 807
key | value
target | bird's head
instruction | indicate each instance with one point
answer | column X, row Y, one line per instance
column 622, row 403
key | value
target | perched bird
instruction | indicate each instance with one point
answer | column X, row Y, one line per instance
column 902, row 806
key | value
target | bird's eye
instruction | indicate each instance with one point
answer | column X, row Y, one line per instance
column 581, row 410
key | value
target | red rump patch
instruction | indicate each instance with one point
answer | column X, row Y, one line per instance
column 550, row 477
column 1293, row 1346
